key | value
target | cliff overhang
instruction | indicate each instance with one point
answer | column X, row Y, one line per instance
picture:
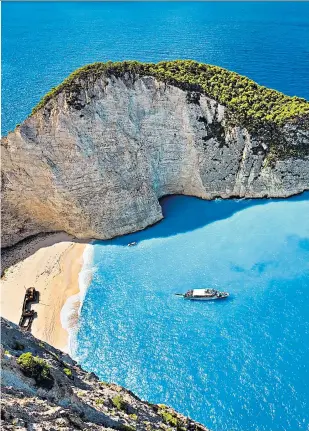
column 100, row 149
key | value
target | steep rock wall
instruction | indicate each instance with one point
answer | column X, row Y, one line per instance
column 94, row 164
column 73, row 399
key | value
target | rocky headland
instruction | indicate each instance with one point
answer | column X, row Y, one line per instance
column 44, row 389
column 100, row 150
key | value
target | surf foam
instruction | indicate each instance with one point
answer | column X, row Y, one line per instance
column 70, row 312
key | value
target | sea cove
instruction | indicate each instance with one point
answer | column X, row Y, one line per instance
column 239, row 364
column 107, row 114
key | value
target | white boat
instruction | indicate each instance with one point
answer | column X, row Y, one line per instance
column 204, row 295
column 131, row 244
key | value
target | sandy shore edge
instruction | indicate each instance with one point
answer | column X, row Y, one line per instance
column 52, row 264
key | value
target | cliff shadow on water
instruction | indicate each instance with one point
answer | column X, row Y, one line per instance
column 186, row 213
column 181, row 214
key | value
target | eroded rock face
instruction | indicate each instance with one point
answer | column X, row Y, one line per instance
column 76, row 400
column 95, row 164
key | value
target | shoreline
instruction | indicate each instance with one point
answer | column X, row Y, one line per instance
column 71, row 308
column 52, row 264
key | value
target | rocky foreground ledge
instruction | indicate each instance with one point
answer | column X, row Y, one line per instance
column 99, row 150
column 44, row 389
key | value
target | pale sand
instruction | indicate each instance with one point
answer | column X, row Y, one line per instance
column 51, row 264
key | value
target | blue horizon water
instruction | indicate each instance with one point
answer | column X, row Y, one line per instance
column 236, row 365
column 43, row 42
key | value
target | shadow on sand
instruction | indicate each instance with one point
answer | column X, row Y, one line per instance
column 23, row 249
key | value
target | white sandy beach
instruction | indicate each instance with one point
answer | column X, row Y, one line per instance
column 51, row 264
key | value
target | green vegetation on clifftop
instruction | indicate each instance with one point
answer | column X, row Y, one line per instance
column 248, row 102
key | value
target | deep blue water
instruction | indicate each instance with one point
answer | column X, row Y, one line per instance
column 43, row 42
column 239, row 364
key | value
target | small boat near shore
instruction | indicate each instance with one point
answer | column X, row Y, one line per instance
column 203, row 294
column 131, row 244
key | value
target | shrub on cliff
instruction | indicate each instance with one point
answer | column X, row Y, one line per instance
column 168, row 417
column 68, row 373
column 119, row 402
column 37, row 368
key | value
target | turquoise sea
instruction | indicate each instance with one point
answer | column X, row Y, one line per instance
column 240, row 364
column 236, row 365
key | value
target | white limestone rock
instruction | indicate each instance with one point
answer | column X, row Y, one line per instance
column 96, row 167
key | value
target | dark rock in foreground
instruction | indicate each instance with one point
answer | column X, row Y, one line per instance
column 44, row 389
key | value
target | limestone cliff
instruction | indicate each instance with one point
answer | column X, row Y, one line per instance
column 44, row 389
column 100, row 150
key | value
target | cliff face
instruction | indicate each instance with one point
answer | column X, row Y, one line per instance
column 43, row 388
column 95, row 162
